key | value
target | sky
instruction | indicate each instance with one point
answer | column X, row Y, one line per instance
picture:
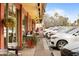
column 70, row 10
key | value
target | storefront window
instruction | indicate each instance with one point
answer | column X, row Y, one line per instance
column 11, row 20
column 24, row 25
column 12, row 33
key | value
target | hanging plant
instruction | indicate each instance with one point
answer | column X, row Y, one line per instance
column 12, row 13
column 9, row 22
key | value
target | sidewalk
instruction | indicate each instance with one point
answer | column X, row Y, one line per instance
column 3, row 51
column 41, row 49
column 28, row 51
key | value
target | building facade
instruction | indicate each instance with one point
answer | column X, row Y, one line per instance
column 25, row 17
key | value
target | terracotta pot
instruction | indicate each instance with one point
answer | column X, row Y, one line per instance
column 29, row 43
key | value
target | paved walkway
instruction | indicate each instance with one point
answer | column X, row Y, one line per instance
column 42, row 49
column 28, row 51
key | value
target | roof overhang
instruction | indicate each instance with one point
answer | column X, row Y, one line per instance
column 32, row 9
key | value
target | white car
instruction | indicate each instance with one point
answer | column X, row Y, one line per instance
column 53, row 31
column 46, row 33
column 60, row 30
column 75, row 32
column 71, row 49
column 61, row 39
column 50, row 29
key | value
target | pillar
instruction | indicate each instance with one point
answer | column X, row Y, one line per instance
column 1, row 26
column 26, row 23
column 19, row 24
column 29, row 23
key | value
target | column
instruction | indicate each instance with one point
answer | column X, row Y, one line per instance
column 29, row 23
column 26, row 23
column 1, row 26
column 19, row 24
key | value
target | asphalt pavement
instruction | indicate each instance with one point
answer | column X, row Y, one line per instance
column 53, row 50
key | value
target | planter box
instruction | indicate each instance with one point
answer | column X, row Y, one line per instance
column 30, row 41
column 30, row 44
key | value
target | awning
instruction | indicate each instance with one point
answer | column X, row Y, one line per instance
column 32, row 9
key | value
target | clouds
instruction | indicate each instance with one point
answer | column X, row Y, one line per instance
column 72, row 17
column 70, row 10
column 59, row 11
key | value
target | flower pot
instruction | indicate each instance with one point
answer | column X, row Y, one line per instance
column 29, row 43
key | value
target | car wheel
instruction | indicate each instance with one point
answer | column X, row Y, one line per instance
column 60, row 44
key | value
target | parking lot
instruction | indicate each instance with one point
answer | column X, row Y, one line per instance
column 56, row 52
column 53, row 50
column 62, row 38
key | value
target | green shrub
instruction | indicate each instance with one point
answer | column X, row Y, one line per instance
column 34, row 38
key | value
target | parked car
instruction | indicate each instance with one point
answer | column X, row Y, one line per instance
column 71, row 49
column 61, row 39
column 46, row 33
column 47, row 30
column 52, row 31
column 74, row 32
column 60, row 30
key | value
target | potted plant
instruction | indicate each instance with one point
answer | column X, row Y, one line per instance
column 31, row 41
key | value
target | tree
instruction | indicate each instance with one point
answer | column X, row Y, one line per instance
column 78, row 22
column 56, row 20
column 63, row 21
column 56, row 14
column 45, row 20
